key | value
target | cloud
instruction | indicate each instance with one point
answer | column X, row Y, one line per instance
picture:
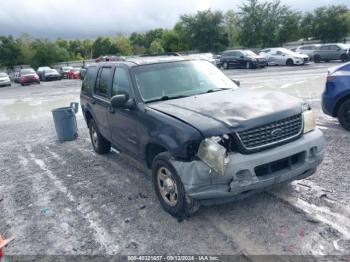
column 89, row 18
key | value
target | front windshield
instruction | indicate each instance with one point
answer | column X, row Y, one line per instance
column 185, row 78
column 51, row 71
column 287, row 52
column 249, row 53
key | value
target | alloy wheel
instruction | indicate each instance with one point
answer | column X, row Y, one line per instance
column 167, row 186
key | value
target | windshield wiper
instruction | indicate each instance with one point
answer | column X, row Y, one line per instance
column 164, row 98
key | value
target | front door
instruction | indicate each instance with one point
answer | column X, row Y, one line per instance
column 101, row 97
column 123, row 121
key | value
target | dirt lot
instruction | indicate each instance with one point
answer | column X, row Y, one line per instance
column 62, row 198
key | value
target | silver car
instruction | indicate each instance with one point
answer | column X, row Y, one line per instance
column 308, row 50
column 4, row 80
column 329, row 52
column 283, row 56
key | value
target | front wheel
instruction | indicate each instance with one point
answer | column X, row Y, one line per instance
column 289, row 62
column 169, row 188
column 100, row 144
column 344, row 115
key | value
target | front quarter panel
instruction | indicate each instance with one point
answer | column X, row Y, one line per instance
column 166, row 131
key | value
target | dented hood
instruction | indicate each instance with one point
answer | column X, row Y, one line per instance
column 228, row 111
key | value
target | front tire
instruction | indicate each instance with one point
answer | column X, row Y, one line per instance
column 169, row 188
column 100, row 144
column 344, row 115
column 289, row 62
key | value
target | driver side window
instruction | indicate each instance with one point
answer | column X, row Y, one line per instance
column 121, row 83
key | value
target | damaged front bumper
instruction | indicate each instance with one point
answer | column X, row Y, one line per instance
column 248, row 174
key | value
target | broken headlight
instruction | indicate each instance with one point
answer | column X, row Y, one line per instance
column 213, row 154
column 309, row 121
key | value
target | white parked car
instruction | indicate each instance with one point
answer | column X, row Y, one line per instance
column 308, row 50
column 283, row 56
column 4, row 80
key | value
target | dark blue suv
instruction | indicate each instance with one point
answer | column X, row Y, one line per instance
column 336, row 97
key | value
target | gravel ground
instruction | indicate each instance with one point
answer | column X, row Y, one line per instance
column 61, row 198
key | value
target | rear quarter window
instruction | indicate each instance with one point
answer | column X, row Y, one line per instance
column 89, row 79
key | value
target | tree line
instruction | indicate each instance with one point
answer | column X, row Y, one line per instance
column 257, row 23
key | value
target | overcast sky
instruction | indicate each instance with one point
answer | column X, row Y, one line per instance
column 90, row 18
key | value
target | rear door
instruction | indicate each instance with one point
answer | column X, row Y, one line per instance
column 334, row 52
column 101, row 99
column 123, row 121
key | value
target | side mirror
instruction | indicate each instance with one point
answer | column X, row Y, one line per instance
column 121, row 101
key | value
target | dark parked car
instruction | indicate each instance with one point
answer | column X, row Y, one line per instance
column 336, row 96
column 50, row 75
column 206, row 140
column 329, row 52
column 242, row 59
column 64, row 71
column 41, row 70
column 28, row 76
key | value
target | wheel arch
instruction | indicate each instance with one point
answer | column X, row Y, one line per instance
column 339, row 102
column 152, row 150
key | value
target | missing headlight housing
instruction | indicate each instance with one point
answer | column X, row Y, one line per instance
column 213, row 154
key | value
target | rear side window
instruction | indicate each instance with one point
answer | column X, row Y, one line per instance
column 121, row 83
column 334, row 47
column 89, row 79
column 103, row 83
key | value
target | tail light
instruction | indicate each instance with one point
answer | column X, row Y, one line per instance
column 330, row 78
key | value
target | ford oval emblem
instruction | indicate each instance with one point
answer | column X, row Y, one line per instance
column 276, row 132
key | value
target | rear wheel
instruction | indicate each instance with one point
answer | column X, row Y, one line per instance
column 317, row 59
column 344, row 115
column 100, row 144
column 289, row 62
column 169, row 188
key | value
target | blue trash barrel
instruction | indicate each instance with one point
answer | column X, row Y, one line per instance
column 65, row 122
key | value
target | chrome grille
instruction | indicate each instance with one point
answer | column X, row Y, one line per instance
column 272, row 133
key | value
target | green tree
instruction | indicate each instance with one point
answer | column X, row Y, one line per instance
column 47, row 53
column 152, row 35
column 123, row 46
column 10, row 51
column 331, row 24
column 87, row 48
column 155, row 47
column 231, row 20
column 171, row 41
column 290, row 27
column 103, row 46
column 267, row 23
column 205, row 30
